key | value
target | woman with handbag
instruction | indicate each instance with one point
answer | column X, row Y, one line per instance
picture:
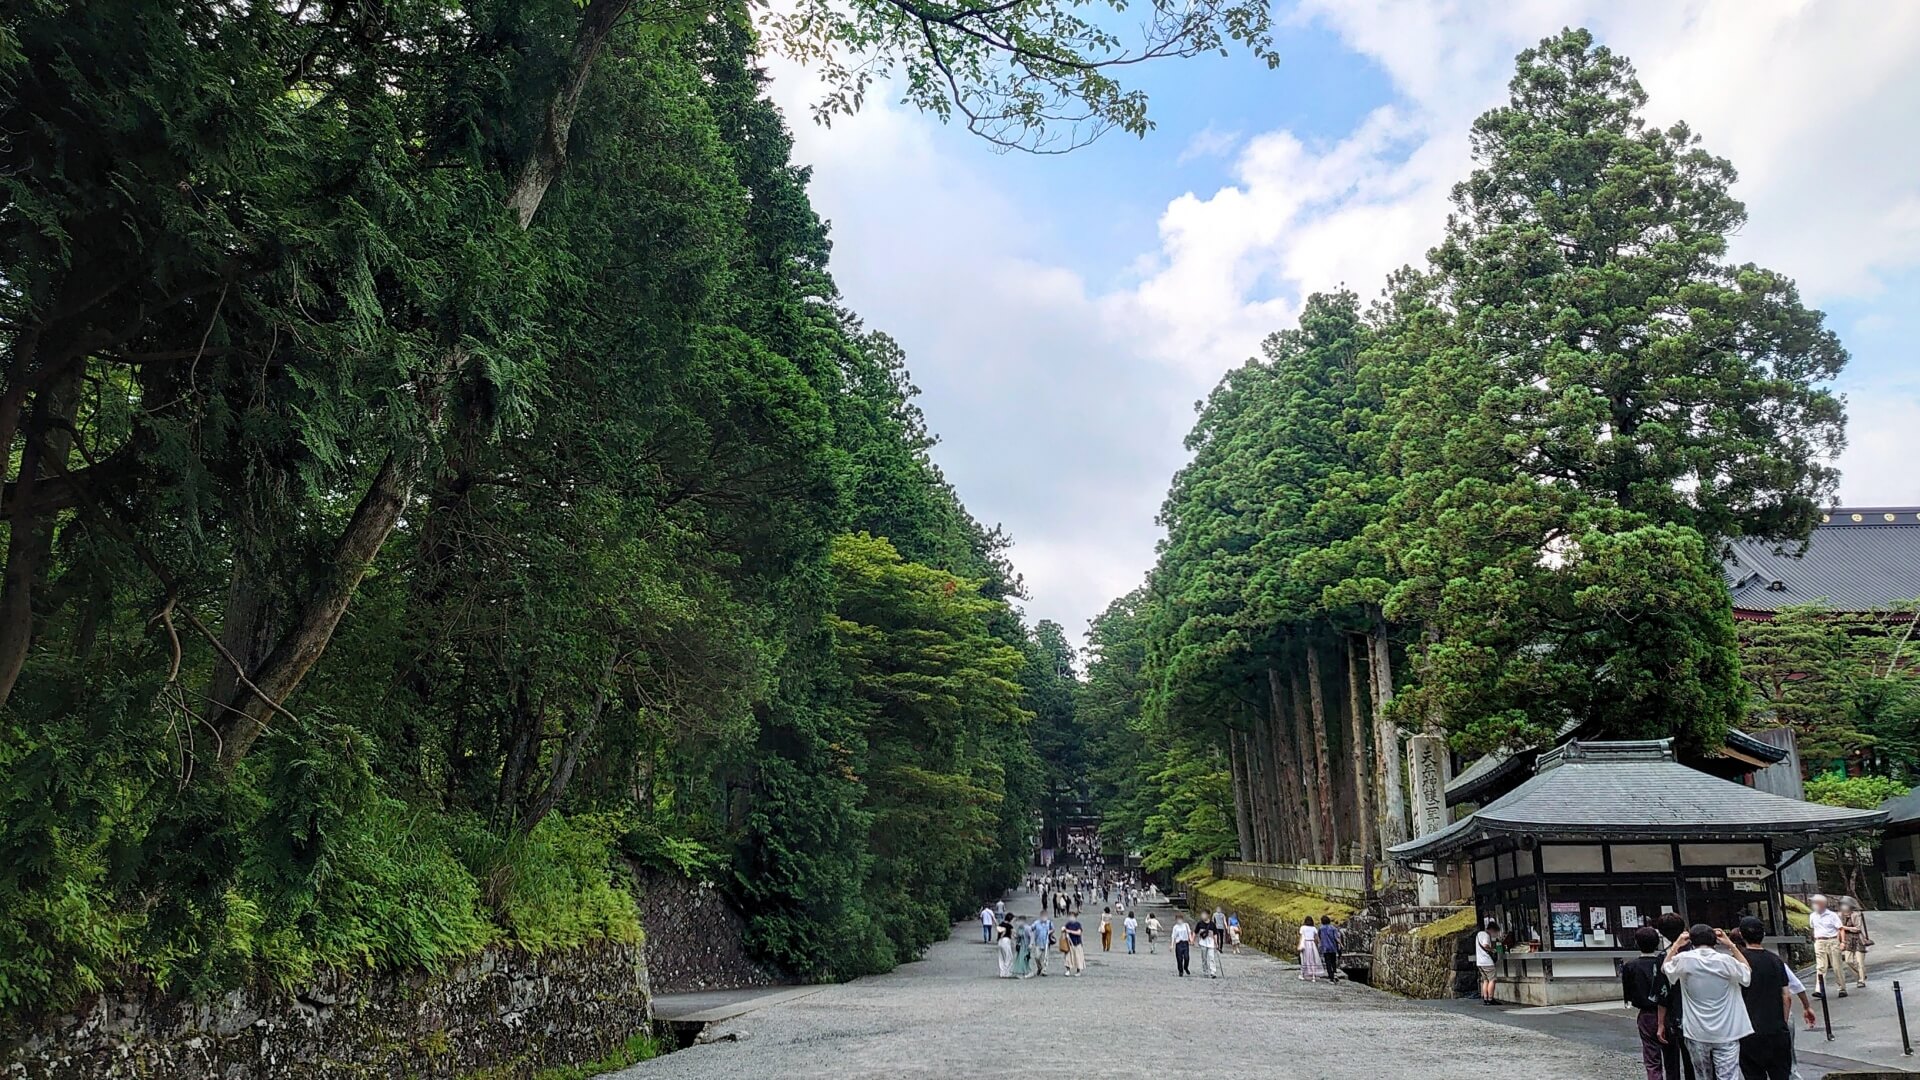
column 1854, row 941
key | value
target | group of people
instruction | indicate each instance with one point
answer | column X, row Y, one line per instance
column 1840, row 941
column 1319, row 949
column 1024, row 946
column 1211, row 934
column 1062, row 893
column 1713, row 1005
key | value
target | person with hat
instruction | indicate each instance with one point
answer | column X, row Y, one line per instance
column 1714, row 1012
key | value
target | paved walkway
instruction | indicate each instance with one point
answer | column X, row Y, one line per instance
column 948, row 1016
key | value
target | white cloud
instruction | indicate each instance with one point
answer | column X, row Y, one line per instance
column 1208, row 142
column 1063, row 407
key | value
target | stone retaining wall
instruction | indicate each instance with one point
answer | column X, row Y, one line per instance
column 695, row 938
column 504, row 1015
column 1276, row 931
column 1423, row 966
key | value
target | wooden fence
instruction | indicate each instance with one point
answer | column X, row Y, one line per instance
column 1348, row 884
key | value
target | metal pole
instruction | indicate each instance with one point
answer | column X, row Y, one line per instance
column 1825, row 1014
column 1900, row 1007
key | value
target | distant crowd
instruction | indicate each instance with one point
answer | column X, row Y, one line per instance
column 1024, row 946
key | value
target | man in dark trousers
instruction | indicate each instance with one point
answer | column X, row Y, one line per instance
column 1329, row 936
column 1645, row 989
column 1767, row 1054
column 1679, row 1065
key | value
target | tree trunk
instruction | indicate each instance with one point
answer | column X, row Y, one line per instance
column 1286, row 772
column 1302, row 772
column 1393, row 793
column 1242, row 810
column 375, row 518
column 1322, row 760
column 30, row 528
column 1363, row 780
column 1265, row 803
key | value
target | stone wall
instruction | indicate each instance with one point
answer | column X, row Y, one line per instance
column 695, row 938
column 504, row 1015
column 1270, row 918
column 1423, row 965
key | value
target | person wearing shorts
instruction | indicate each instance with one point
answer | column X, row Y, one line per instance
column 1483, row 959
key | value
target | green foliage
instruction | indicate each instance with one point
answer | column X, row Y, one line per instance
column 1858, row 792
column 1512, row 477
column 272, row 283
column 556, row 886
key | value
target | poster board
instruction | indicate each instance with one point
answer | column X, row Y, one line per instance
column 1567, row 930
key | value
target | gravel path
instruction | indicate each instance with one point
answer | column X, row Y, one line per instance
column 948, row 1016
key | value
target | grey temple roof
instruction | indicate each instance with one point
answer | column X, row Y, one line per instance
column 1903, row 812
column 1497, row 772
column 1634, row 791
column 1863, row 558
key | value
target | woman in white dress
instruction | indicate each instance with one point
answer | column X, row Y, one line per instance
column 1005, row 933
column 1310, row 966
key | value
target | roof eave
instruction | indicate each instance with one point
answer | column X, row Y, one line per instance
column 1488, row 829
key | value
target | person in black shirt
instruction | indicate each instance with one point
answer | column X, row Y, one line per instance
column 1645, row 988
column 1767, row 1054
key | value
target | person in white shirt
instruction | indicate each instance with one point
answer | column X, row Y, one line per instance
column 1713, row 1013
column 1153, row 933
column 1209, row 951
column 1132, row 927
column 1182, row 934
column 1483, row 959
column 1824, row 925
column 986, row 925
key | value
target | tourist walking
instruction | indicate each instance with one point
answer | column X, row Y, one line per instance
column 1766, row 1054
column 1209, row 943
column 1483, row 959
column 1233, row 932
column 1715, row 1013
column 1330, row 948
column 1311, row 966
column 1132, row 927
column 1106, row 930
column 987, row 920
column 1824, row 925
column 1854, row 940
column 1153, row 934
column 1180, row 936
column 1000, row 907
column 1004, row 942
column 1040, row 934
column 1076, row 955
column 1644, row 987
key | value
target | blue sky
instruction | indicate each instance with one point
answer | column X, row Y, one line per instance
column 1063, row 314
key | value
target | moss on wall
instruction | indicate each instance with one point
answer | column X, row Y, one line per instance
column 1269, row 917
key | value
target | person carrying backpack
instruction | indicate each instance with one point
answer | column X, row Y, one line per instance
column 1645, row 988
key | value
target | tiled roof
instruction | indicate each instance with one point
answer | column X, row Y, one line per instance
column 1863, row 558
column 1498, row 771
column 1634, row 791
